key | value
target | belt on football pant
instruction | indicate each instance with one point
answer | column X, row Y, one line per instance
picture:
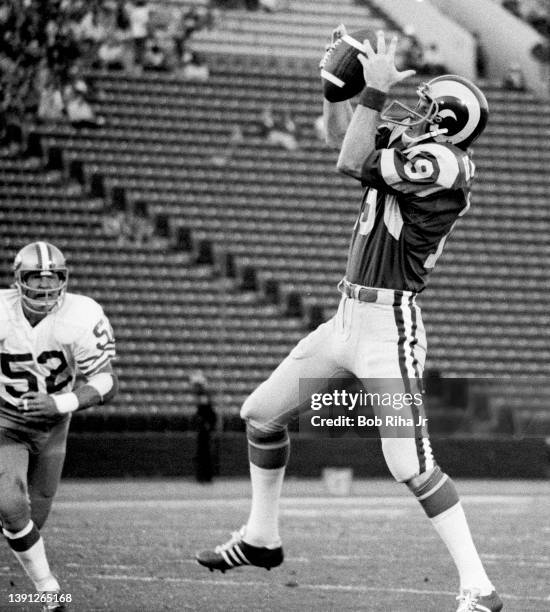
column 372, row 295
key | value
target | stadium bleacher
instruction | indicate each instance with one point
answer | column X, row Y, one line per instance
column 285, row 214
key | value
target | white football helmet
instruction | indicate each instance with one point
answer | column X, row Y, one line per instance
column 46, row 260
column 451, row 108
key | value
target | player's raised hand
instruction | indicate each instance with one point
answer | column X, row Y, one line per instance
column 38, row 405
column 379, row 66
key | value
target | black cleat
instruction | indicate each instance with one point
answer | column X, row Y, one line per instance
column 237, row 552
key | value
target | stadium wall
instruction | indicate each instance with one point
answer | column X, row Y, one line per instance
column 91, row 455
column 456, row 44
column 505, row 39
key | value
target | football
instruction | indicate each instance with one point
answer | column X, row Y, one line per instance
column 341, row 71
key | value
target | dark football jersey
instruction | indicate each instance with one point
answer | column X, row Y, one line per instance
column 412, row 200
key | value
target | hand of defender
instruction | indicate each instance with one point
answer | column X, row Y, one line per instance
column 379, row 66
column 335, row 36
column 38, row 405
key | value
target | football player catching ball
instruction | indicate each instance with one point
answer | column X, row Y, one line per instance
column 46, row 336
column 416, row 171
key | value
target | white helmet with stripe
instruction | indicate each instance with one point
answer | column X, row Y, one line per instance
column 47, row 261
column 450, row 109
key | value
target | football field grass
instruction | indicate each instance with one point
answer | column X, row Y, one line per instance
column 129, row 545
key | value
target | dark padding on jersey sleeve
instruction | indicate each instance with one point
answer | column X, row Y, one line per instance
column 425, row 169
column 370, row 173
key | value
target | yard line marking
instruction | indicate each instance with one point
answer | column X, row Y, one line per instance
column 175, row 504
column 315, row 513
column 516, row 557
column 324, row 587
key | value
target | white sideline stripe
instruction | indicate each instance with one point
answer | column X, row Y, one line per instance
column 285, row 502
column 516, row 557
column 323, row 587
column 319, row 512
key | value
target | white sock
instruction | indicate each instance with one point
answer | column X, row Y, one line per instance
column 453, row 529
column 262, row 528
column 34, row 561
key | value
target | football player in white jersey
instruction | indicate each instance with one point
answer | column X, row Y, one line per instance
column 47, row 337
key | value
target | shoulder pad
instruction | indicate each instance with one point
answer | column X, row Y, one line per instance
column 8, row 300
column 77, row 314
column 426, row 168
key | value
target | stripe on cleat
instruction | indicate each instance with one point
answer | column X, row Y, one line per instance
column 234, row 556
column 237, row 549
column 226, row 558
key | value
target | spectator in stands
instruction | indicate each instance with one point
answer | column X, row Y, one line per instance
column 177, row 31
column 235, row 139
column 514, row 80
column 89, row 29
column 278, row 129
column 194, row 68
column 140, row 225
column 205, row 424
column 191, row 22
column 63, row 52
column 51, row 106
column 113, row 53
column 138, row 16
column 79, row 111
column 155, row 57
column 121, row 16
column 115, row 224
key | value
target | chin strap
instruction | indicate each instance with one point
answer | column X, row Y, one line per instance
column 413, row 141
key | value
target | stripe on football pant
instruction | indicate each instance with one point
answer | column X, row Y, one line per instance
column 415, row 315
column 405, row 350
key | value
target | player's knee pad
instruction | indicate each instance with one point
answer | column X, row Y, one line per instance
column 268, row 450
column 436, row 492
column 401, row 457
column 251, row 410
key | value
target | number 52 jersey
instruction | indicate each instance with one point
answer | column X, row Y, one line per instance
column 46, row 358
